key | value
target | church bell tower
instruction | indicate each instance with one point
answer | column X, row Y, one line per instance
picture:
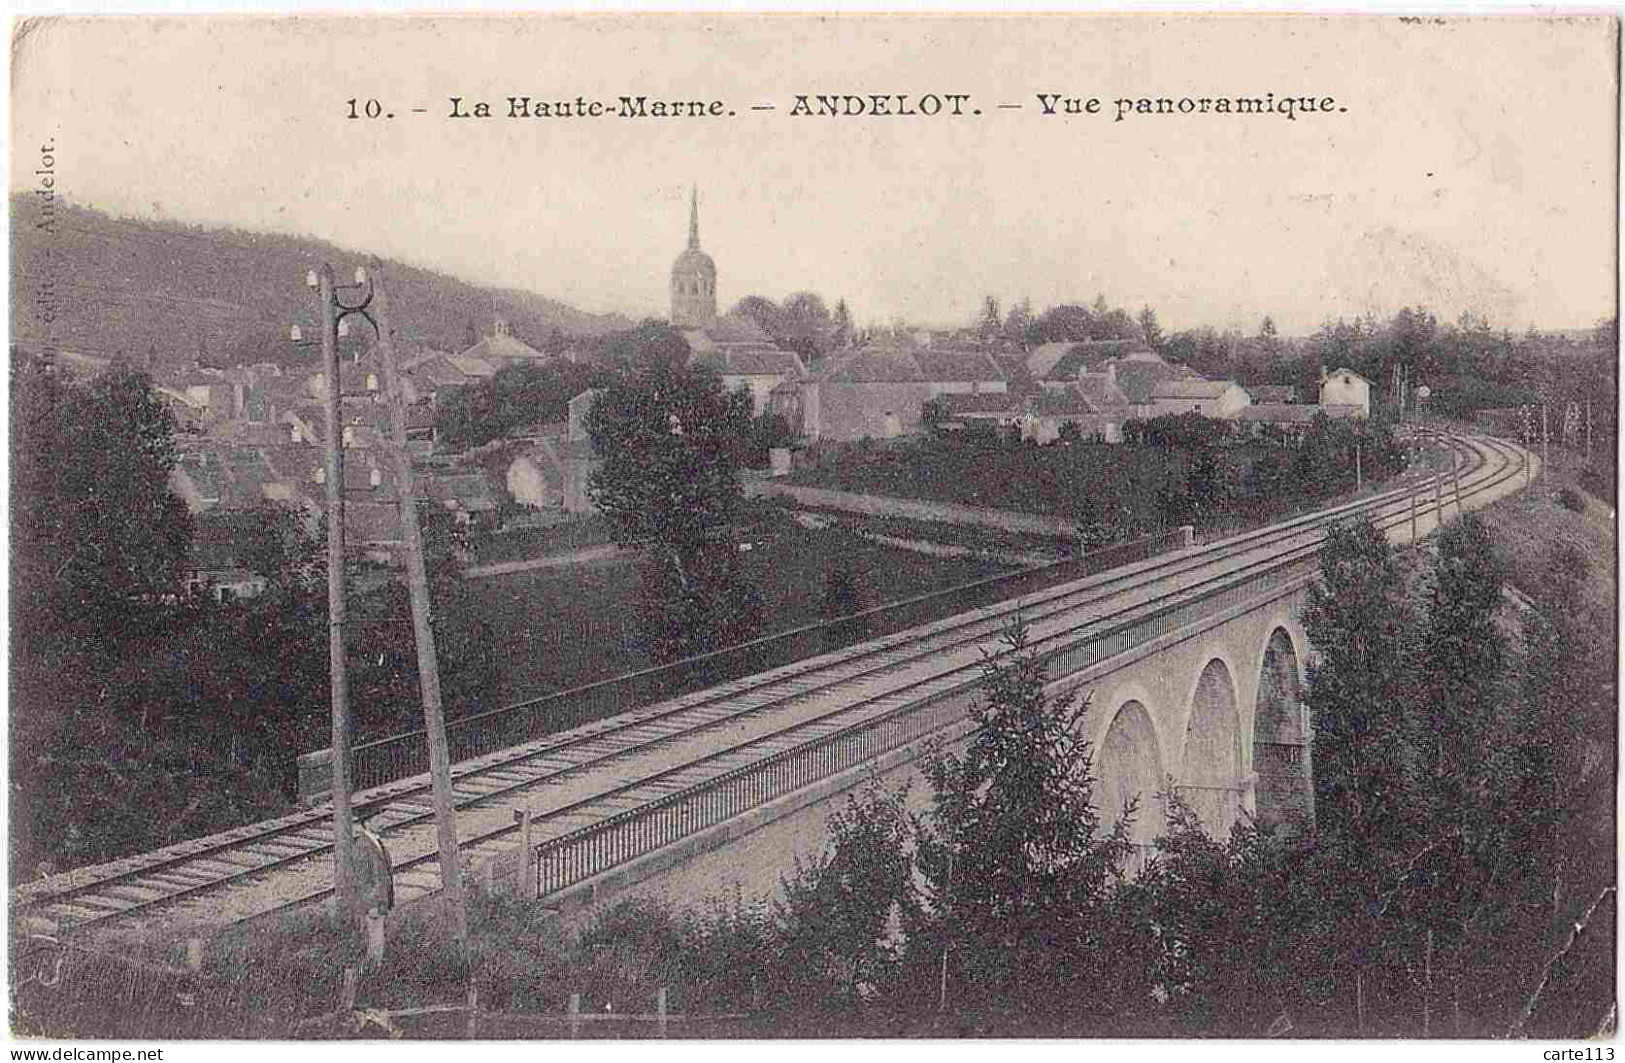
column 693, row 278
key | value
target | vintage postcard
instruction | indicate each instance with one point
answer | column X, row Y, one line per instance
column 812, row 526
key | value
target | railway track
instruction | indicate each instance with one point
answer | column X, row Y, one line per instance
column 676, row 745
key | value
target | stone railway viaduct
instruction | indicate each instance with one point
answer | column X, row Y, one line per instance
column 1211, row 708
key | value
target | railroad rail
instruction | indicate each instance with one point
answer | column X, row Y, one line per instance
column 699, row 759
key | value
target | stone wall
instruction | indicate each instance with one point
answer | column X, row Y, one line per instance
column 914, row 509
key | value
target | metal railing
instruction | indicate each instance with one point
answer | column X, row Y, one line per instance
column 596, row 848
column 400, row 756
column 591, row 850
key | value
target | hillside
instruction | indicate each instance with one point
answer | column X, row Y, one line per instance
column 229, row 296
column 1529, row 525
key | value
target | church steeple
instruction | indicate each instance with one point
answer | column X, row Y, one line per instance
column 693, row 277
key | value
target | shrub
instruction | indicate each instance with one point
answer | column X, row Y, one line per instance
column 1598, row 482
column 1571, row 500
column 844, row 911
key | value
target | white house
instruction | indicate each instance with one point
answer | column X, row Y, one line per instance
column 1345, row 387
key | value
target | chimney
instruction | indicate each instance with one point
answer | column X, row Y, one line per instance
column 1323, row 376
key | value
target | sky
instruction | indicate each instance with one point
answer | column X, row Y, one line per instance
column 1466, row 164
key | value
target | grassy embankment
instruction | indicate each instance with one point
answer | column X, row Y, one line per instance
column 1529, row 524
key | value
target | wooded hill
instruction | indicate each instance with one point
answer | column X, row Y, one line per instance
column 226, row 296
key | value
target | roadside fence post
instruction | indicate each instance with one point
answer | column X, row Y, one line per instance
column 375, row 937
column 347, row 990
column 528, row 888
column 575, row 1015
column 660, row 1009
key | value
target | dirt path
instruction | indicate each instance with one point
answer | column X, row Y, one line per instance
column 607, row 553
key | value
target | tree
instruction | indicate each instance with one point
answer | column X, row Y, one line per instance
column 1225, row 919
column 651, row 344
column 1150, row 330
column 1489, row 864
column 1467, row 651
column 1116, row 324
column 699, row 607
column 672, row 441
column 1605, row 335
column 1015, row 867
column 1359, row 691
column 1369, row 797
column 98, row 540
column 764, row 312
column 842, row 331
column 1566, row 707
column 768, row 431
column 1018, row 324
column 844, row 910
column 991, row 322
column 275, row 541
column 1067, row 323
column 805, row 326
column 522, row 395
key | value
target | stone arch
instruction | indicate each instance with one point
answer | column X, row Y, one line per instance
column 1210, row 778
column 1281, row 741
column 1128, row 765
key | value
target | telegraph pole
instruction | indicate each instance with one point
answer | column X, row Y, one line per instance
column 343, row 822
column 1455, row 477
column 1588, row 433
column 451, row 877
column 1528, row 442
column 1545, row 436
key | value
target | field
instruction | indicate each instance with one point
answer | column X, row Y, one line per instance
column 1084, row 481
column 523, row 543
column 563, row 627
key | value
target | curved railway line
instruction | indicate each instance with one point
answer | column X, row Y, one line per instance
column 574, row 779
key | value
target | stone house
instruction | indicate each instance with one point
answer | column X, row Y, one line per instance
column 756, row 368
column 878, row 392
column 1219, row 399
column 552, row 475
